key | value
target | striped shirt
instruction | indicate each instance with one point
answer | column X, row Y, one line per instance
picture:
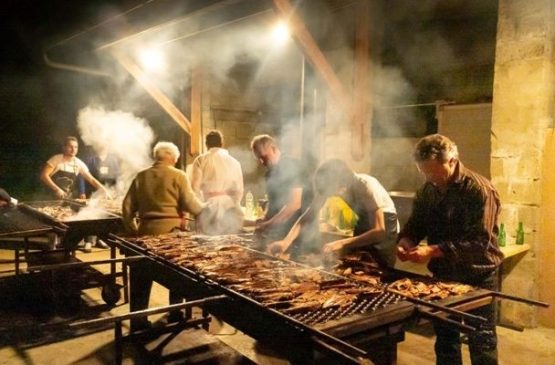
column 462, row 221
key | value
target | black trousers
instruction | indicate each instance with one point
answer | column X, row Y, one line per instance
column 141, row 286
column 482, row 343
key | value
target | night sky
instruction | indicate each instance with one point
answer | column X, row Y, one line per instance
column 39, row 104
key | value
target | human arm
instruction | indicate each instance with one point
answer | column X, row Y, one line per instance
column 196, row 177
column 188, row 200
column 46, row 172
column 130, row 208
column 94, row 182
column 371, row 236
column 277, row 248
column 290, row 208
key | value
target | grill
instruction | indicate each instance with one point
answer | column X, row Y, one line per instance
column 79, row 224
column 30, row 219
column 16, row 223
column 372, row 319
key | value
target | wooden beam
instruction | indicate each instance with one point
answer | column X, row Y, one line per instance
column 196, row 111
column 154, row 91
column 359, row 123
column 313, row 53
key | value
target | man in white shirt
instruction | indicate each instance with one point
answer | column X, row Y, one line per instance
column 217, row 178
column 61, row 171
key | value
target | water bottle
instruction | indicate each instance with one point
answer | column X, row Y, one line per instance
column 520, row 234
column 249, row 205
column 502, row 237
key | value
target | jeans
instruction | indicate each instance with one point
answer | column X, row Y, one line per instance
column 482, row 343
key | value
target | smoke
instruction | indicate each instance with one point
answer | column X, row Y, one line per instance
column 122, row 134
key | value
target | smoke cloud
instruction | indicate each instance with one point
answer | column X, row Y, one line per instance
column 122, row 134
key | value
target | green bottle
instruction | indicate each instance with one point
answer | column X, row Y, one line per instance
column 502, row 237
column 520, row 234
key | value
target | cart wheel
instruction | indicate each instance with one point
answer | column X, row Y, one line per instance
column 111, row 294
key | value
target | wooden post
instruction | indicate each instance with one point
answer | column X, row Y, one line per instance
column 359, row 124
column 196, row 111
column 314, row 54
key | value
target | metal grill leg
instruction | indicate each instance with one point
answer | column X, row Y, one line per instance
column 118, row 345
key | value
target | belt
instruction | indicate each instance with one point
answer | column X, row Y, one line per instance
column 219, row 193
column 154, row 218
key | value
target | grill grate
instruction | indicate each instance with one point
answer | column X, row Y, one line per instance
column 360, row 306
column 13, row 221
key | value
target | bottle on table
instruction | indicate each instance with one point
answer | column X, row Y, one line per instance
column 520, row 234
column 502, row 237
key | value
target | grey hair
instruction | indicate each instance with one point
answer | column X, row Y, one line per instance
column 163, row 148
column 262, row 141
column 435, row 147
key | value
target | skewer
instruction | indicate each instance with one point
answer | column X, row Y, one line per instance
column 519, row 299
column 438, row 307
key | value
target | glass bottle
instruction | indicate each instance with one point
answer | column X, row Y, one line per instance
column 502, row 237
column 520, row 234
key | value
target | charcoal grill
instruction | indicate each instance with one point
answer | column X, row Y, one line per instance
column 374, row 323
column 100, row 224
column 26, row 220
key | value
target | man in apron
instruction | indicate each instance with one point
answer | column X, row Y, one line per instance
column 61, row 172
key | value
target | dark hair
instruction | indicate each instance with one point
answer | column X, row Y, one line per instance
column 214, row 139
column 331, row 176
column 70, row 139
column 435, row 147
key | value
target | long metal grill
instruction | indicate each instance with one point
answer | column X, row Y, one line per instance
column 306, row 294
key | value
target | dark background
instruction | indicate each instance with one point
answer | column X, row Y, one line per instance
column 39, row 104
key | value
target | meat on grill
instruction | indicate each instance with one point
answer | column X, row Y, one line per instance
column 428, row 291
column 283, row 285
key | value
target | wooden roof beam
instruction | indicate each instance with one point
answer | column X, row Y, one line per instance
column 154, row 91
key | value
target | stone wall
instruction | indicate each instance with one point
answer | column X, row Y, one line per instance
column 522, row 112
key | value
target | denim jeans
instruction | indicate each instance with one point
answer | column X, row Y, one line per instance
column 482, row 343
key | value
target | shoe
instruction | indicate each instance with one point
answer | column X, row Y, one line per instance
column 101, row 244
column 88, row 247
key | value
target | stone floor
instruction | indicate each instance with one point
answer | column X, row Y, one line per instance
column 23, row 341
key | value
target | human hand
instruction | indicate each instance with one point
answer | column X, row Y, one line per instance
column 403, row 248
column 60, row 194
column 334, row 246
column 277, row 248
column 421, row 254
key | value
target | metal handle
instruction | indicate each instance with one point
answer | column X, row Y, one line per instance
column 439, row 307
column 519, row 299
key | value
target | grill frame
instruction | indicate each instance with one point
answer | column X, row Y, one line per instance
column 75, row 229
column 379, row 332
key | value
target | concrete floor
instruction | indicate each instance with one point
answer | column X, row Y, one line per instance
column 534, row 346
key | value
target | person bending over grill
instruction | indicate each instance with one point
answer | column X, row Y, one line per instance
column 217, row 178
column 287, row 187
column 60, row 173
column 376, row 228
column 457, row 210
column 156, row 203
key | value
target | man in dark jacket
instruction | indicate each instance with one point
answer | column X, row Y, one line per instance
column 456, row 210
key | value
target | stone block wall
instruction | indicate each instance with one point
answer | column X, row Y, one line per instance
column 523, row 99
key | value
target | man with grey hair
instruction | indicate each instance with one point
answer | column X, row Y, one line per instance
column 158, row 198
column 456, row 210
column 160, row 195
